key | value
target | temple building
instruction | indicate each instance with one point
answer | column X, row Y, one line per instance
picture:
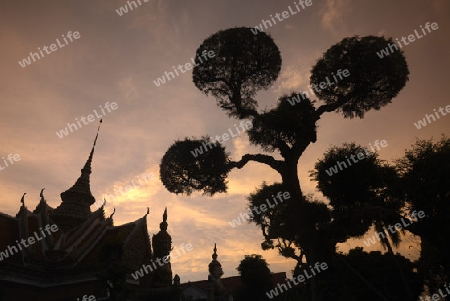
column 71, row 253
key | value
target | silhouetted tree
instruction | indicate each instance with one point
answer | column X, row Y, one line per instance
column 372, row 276
column 362, row 194
column 426, row 180
column 245, row 63
column 256, row 279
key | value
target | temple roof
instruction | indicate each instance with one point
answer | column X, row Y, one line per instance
column 42, row 207
column 84, row 248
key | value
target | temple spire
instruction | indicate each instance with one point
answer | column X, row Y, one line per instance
column 214, row 256
column 82, row 185
column 76, row 201
column 87, row 166
column 215, row 268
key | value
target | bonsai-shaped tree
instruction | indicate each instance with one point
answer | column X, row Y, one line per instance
column 302, row 228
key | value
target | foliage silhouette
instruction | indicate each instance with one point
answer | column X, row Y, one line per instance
column 372, row 82
column 243, row 64
column 182, row 172
column 424, row 171
column 378, row 273
column 359, row 194
column 256, row 279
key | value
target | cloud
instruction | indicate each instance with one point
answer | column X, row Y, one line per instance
column 292, row 78
column 333, row 13
column 129, row 88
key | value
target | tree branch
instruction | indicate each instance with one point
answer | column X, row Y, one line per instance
column 268, row 160
column 330, row 107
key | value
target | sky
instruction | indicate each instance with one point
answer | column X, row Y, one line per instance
column 116, row 59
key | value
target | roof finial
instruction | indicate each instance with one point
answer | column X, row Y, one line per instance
column 22, row 200
column 214, row 256
column 98, row 130
column 163, row 225
column 41, row 194
column 114, row 211
column 87, row 166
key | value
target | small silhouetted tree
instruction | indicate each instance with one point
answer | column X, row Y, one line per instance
column 245, row 63
column 255, row 277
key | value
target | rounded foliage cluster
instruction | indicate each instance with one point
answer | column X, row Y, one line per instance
column 184, row 168
column 372, row 81
column 345, row 178
column 243, row 64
